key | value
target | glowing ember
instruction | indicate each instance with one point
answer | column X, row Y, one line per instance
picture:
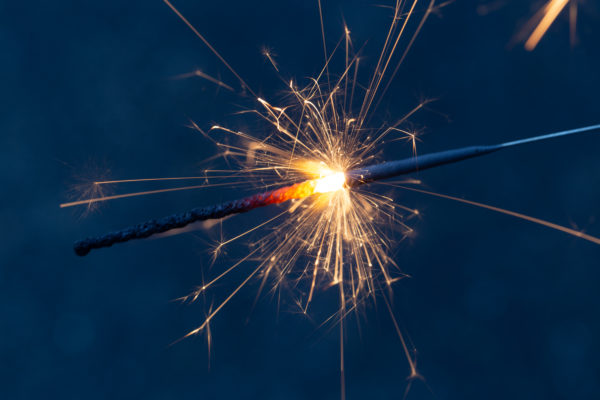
column 330, row 183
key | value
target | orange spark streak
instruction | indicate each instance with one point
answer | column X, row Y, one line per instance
column 209, row 78
column 552, row 10
column 207, row 43
column 151, row 179
column 122, row 196
column 538, row 221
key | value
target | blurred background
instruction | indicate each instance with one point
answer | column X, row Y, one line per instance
column 498, row 308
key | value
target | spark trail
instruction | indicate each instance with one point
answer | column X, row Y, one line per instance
column 329, row 183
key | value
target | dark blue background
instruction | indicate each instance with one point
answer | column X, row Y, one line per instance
column 497, row 308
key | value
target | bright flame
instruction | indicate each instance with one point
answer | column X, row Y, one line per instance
column 330, row 183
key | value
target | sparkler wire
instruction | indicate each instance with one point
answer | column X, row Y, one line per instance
column 304, row 189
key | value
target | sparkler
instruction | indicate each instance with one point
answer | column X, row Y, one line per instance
column 317, row 158
column 331, row 182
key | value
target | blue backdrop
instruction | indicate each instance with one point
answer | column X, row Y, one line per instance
column 497, row 308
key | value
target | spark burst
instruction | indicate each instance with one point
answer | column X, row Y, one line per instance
column 337, row 236
column 331, row 233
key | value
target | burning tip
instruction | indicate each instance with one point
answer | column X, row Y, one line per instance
column 330, row 183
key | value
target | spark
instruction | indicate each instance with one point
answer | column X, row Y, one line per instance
column 200, row 74
column 99, row 199
column 538, row 221
column 207, row 44
column 545, row 17
column 268, row 53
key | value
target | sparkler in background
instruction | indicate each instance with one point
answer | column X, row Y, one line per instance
column 319, row 149
column 538, row 25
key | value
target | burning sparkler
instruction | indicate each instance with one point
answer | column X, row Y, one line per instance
column 317, row 158
column 330, row 182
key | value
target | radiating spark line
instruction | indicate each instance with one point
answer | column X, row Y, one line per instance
column 252, row 229
column 525, row 217
column 267, row 53
column 207, row 44
column 194, row 295
column 203, row 75
column 430, row 7
column 216, row 311
column 326, row 57
column 145, row 193
column 413, row 367
column 378, row 76
column 178, row 178
column 550, row 12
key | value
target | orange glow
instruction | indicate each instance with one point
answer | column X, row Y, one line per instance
column 331, row 182
column 551, row 11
